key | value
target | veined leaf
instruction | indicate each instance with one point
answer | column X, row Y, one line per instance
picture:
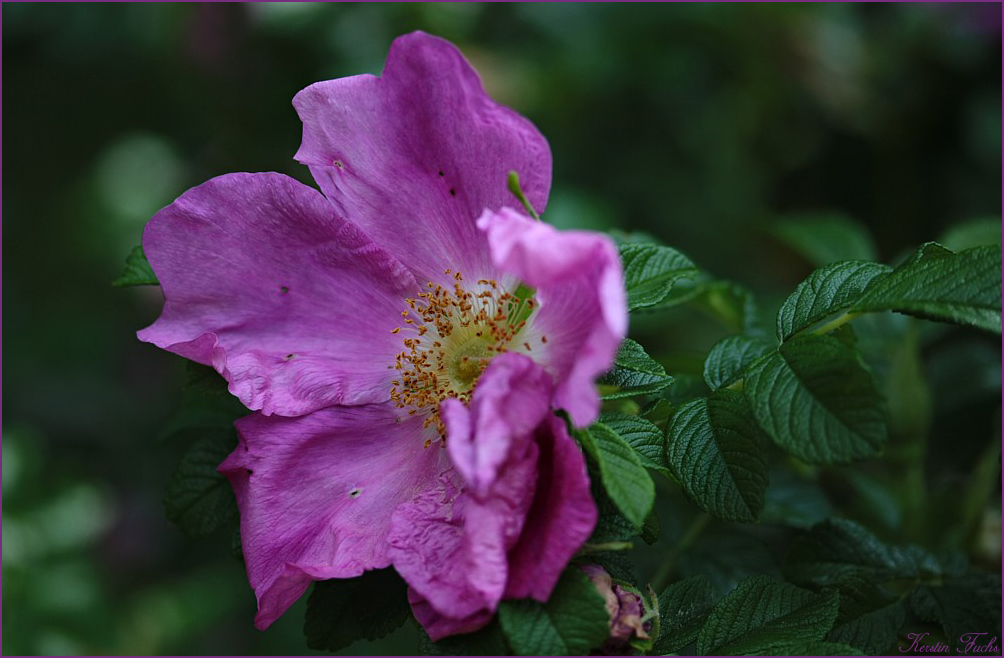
column 642, row 435
column 869, row 618
column 730, row 356
column 198, row 499
column 827, row 290
column 650, row 271
column 621, row 471
column 964, row 288
column 137, row 270
column 717, row 453
column 572, row 622
column 341, row 611
column 683, row 607
column 816, row 400
column 762, row 615
column 634, row 373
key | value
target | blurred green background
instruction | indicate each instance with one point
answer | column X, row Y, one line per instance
column 699, row 124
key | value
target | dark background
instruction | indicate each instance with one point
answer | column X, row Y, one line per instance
column 699, row 124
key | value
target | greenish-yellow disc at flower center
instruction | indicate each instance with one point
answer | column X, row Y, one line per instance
column 449, row 336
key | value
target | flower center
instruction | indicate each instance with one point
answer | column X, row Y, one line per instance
column 452, row 335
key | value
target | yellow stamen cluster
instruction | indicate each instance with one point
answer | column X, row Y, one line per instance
column 453, row 334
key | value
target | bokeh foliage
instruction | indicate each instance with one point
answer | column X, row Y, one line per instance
column 702, row 125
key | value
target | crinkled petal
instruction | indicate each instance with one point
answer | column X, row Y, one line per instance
column 413, row 157
column 451, row 545
column 316, row 494
column 511, row 398
column 263, row 281
column 561, row 519
column 439, row 626
column 583, row 307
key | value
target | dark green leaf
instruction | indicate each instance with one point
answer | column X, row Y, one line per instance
column 488, row 641
column 718, row 455
column 824, row 239
column 634, row 373
column 820, row 648
column 728, row 554
column 869, row 619
column 964, row 288
column 817, row 401
column 137, row 270
column 964, row 606
column 198, row 498
column 650, row 271
column 205, row 403
column 828, row 290
column 651, row 529
column 730, row 356
column 763, row 615
column 572, row 622
column 621, row 471
column 839, row 551
column 642, row 435
column 683, row 607
column 794, row 501
column 339, row 612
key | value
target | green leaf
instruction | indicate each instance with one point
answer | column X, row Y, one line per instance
column 339, row 612
column 825, row 238
column 763, row 615
column 650, row 271
column 730, row 356
column 137, row 270
column 621, row 471
column 199, row 499
column 839, row 551
column 642, row 435
column 816, row 400
column 827, row 290
column 488, row 641
column 963, row 606
column 869, row 619
column 683, row 607
column 820, row 648
column 572, row 622
column 634, row 373
column 964, row 288
column 973, row 233
column 718, row 455
column 205, row 403
column 795, row 501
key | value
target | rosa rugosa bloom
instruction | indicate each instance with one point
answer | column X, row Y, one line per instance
column 403, row 339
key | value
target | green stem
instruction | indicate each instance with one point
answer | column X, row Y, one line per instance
column 694, row 531
column 605, row 547
column 518, row 193
column 838, row 321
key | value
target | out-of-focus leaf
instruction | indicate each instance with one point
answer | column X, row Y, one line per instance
column 488, row 641
column 975, row 233
column 572, row 622
column 936, row 284
column 816, row 400
column 965, row 607
column 794, row 501
column 650, row 271
column 717, row 453
column 762, row 615
column 205, row 402
column 341, row 611
column 137, row 270
column 839, row 551
column 634, row 373
column 825, row 238
column 730, row 356
column 827, row 290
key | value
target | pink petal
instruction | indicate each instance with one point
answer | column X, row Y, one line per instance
column 561, row 519
column 439, row 626
column 583, row 308
column 316, row 494
column 263, row 281
column 413, row 157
